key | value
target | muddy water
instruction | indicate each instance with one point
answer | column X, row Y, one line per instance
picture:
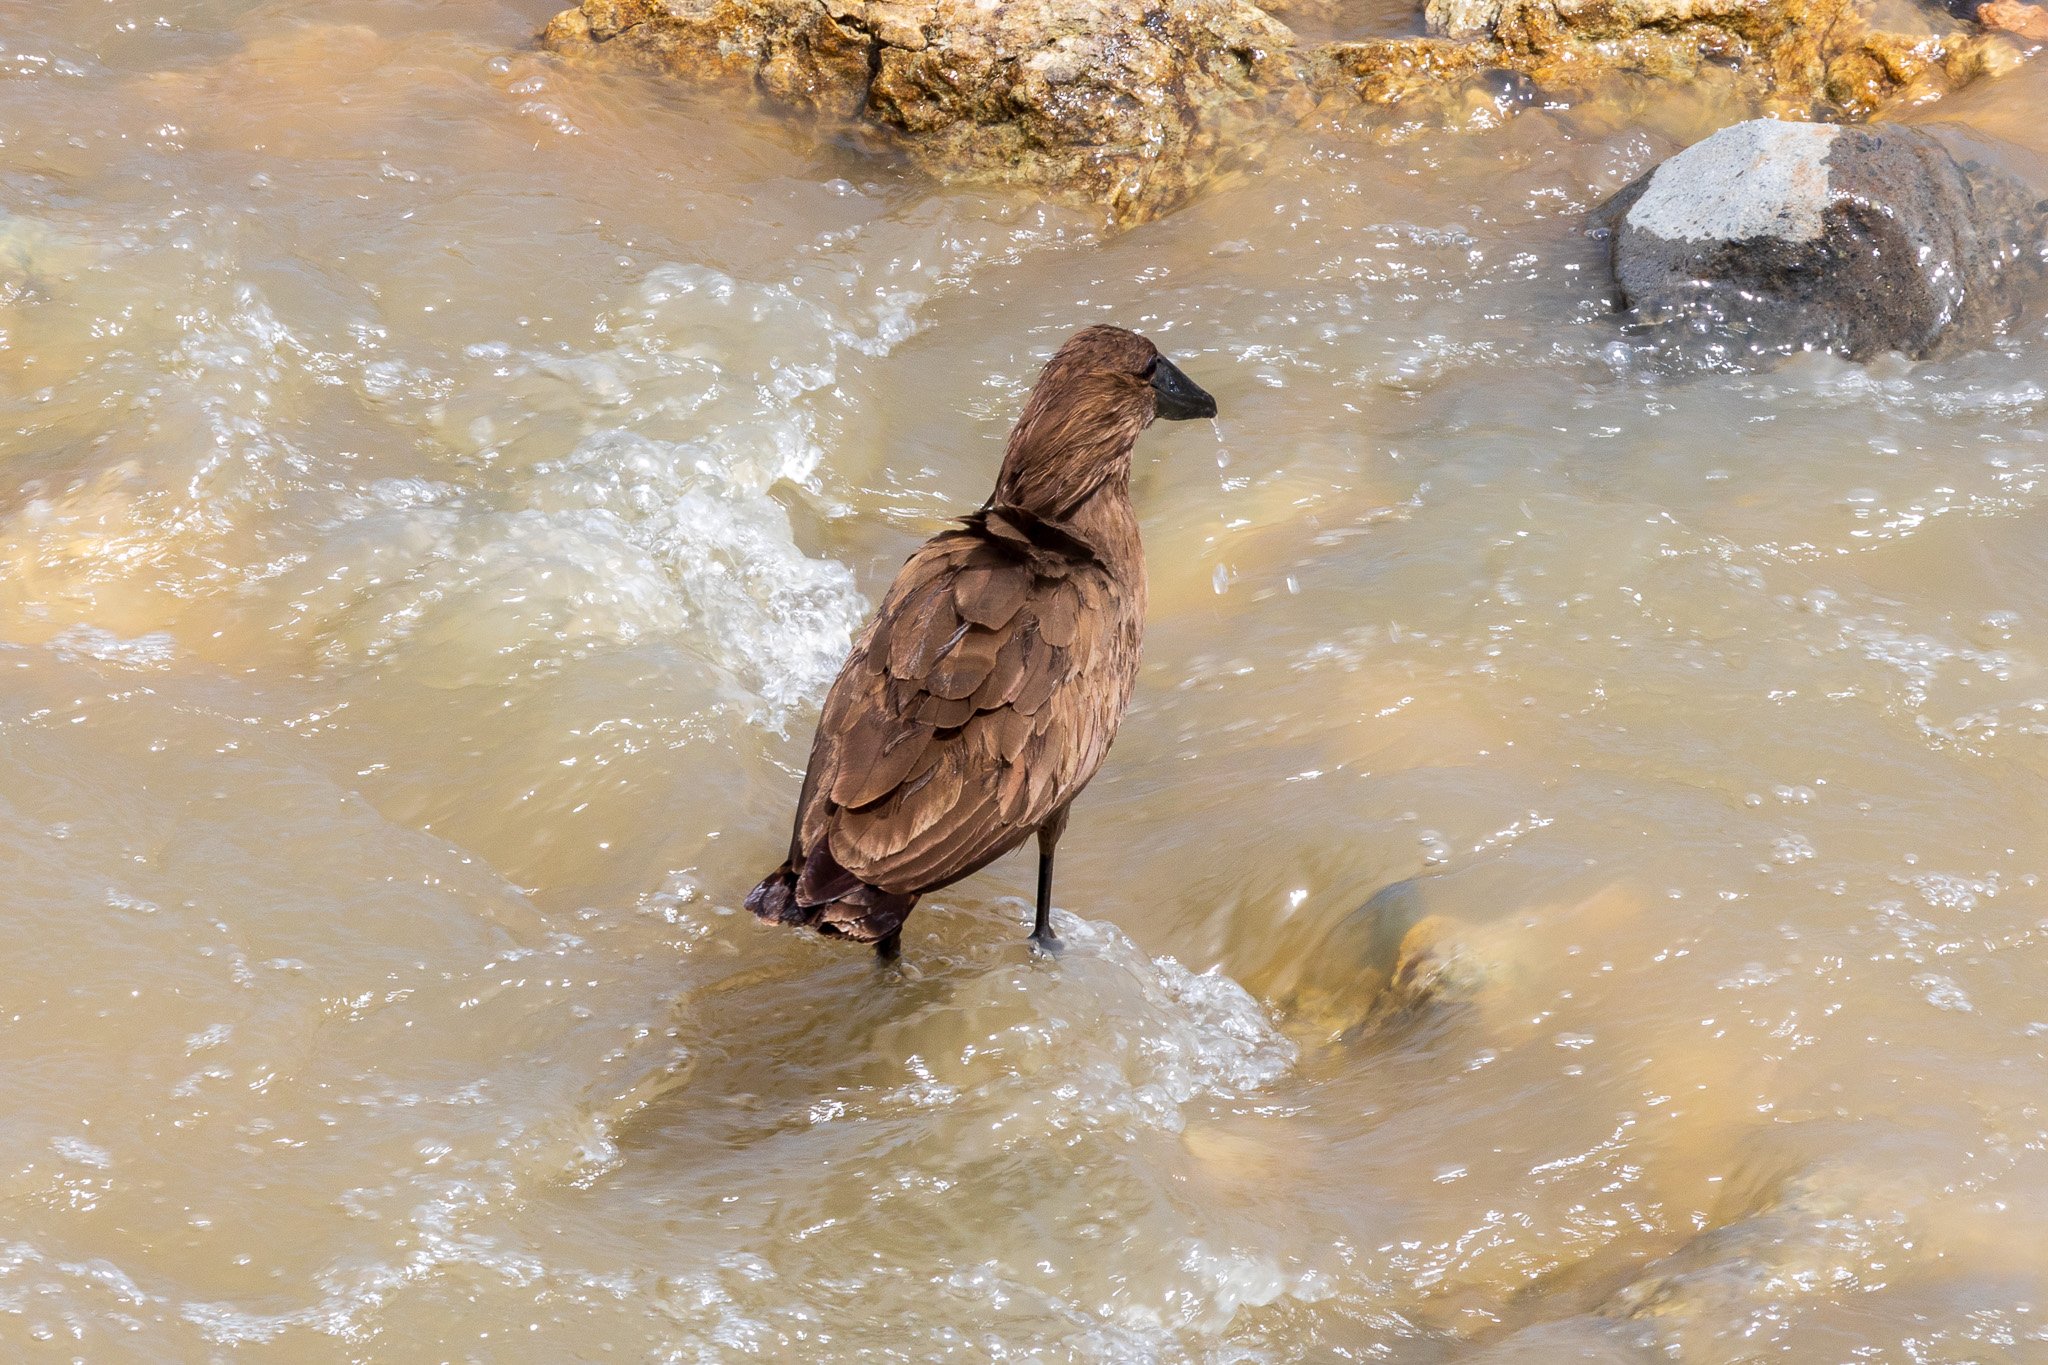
column 438, row 485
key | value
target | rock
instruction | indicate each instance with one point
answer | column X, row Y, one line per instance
column 1804, row 1209
column 1404, row 949
column 1394, row 70
column 1771, row 237
column 34, row 256
column 1339, row 984
column 1134, row 104
column 1127, row 103
column 1441, row 960
column 1799, row 57
column 2028, row 21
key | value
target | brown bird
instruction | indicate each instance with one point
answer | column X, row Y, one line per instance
column 984, row 695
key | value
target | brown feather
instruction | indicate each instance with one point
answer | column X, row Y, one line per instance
column 1057, row 617
column 855, row 751
column 1007, row 676
column 862, row 782
column 1041, row 681
column 944, row 713
column 1005, row 528
column 917, row 639
column 988, row 593
column 872, row 650
column 964, row 666
column 823, row 879
column 963, row 844
column 1013, row 793
column 1011, row 728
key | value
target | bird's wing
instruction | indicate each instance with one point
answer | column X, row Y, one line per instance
column 980, row 699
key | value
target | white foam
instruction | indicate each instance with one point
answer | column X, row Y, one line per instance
column 1134, row 1039
column 760, row 606
column 143, row 651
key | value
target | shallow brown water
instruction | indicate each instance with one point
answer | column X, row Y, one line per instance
column 440, row 482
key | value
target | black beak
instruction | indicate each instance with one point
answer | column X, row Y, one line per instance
column 1177, row 397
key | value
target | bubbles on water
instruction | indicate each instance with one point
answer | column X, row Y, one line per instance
column 1952, row 891
column 1942, row 992
column 84, row 1153
column 1921, row 659
column 1140, row 1037
column 394, row 378
column 745, row 365
column 1788, row 849
column 1229, row 1280
column 605, row 532
column 144, row 651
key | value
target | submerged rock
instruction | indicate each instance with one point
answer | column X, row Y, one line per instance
column 1406, row 948
column 1772, row 237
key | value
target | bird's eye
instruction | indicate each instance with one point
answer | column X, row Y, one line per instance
column 1151, row 368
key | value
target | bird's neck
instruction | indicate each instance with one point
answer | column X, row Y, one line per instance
column 1099, row 524
column 1054, row 474
column 1107, row 521
column 1072, row 446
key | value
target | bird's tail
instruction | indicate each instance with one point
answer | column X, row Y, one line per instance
column 828, row 898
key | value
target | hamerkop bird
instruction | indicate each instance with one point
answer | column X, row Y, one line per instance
column 983, row 696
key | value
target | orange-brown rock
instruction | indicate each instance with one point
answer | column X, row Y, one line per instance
column 1134, row 104
column 1125, row 103
column 2026, row 21
column 1803, row 58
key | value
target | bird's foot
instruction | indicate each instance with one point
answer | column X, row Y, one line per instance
column 1047, row 944
column 889, row 946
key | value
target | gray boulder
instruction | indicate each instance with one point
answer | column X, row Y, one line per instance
column 1771, row 237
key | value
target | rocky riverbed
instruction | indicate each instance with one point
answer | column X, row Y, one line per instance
column 1136, row 106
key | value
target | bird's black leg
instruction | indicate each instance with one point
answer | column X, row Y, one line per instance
column 1042, row 936
column 1041, row 932
column 889, row 946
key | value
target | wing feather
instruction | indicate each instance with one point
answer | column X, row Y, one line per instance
column 1058, row 615
column 1041, row 681
column 988, row 592
column 944, row 713
column 981, row 700
column 1000, row 687
column 878, row 758
column 925, row 630
column 966, row 665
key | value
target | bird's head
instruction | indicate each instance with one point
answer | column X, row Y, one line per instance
column 1097, row 393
